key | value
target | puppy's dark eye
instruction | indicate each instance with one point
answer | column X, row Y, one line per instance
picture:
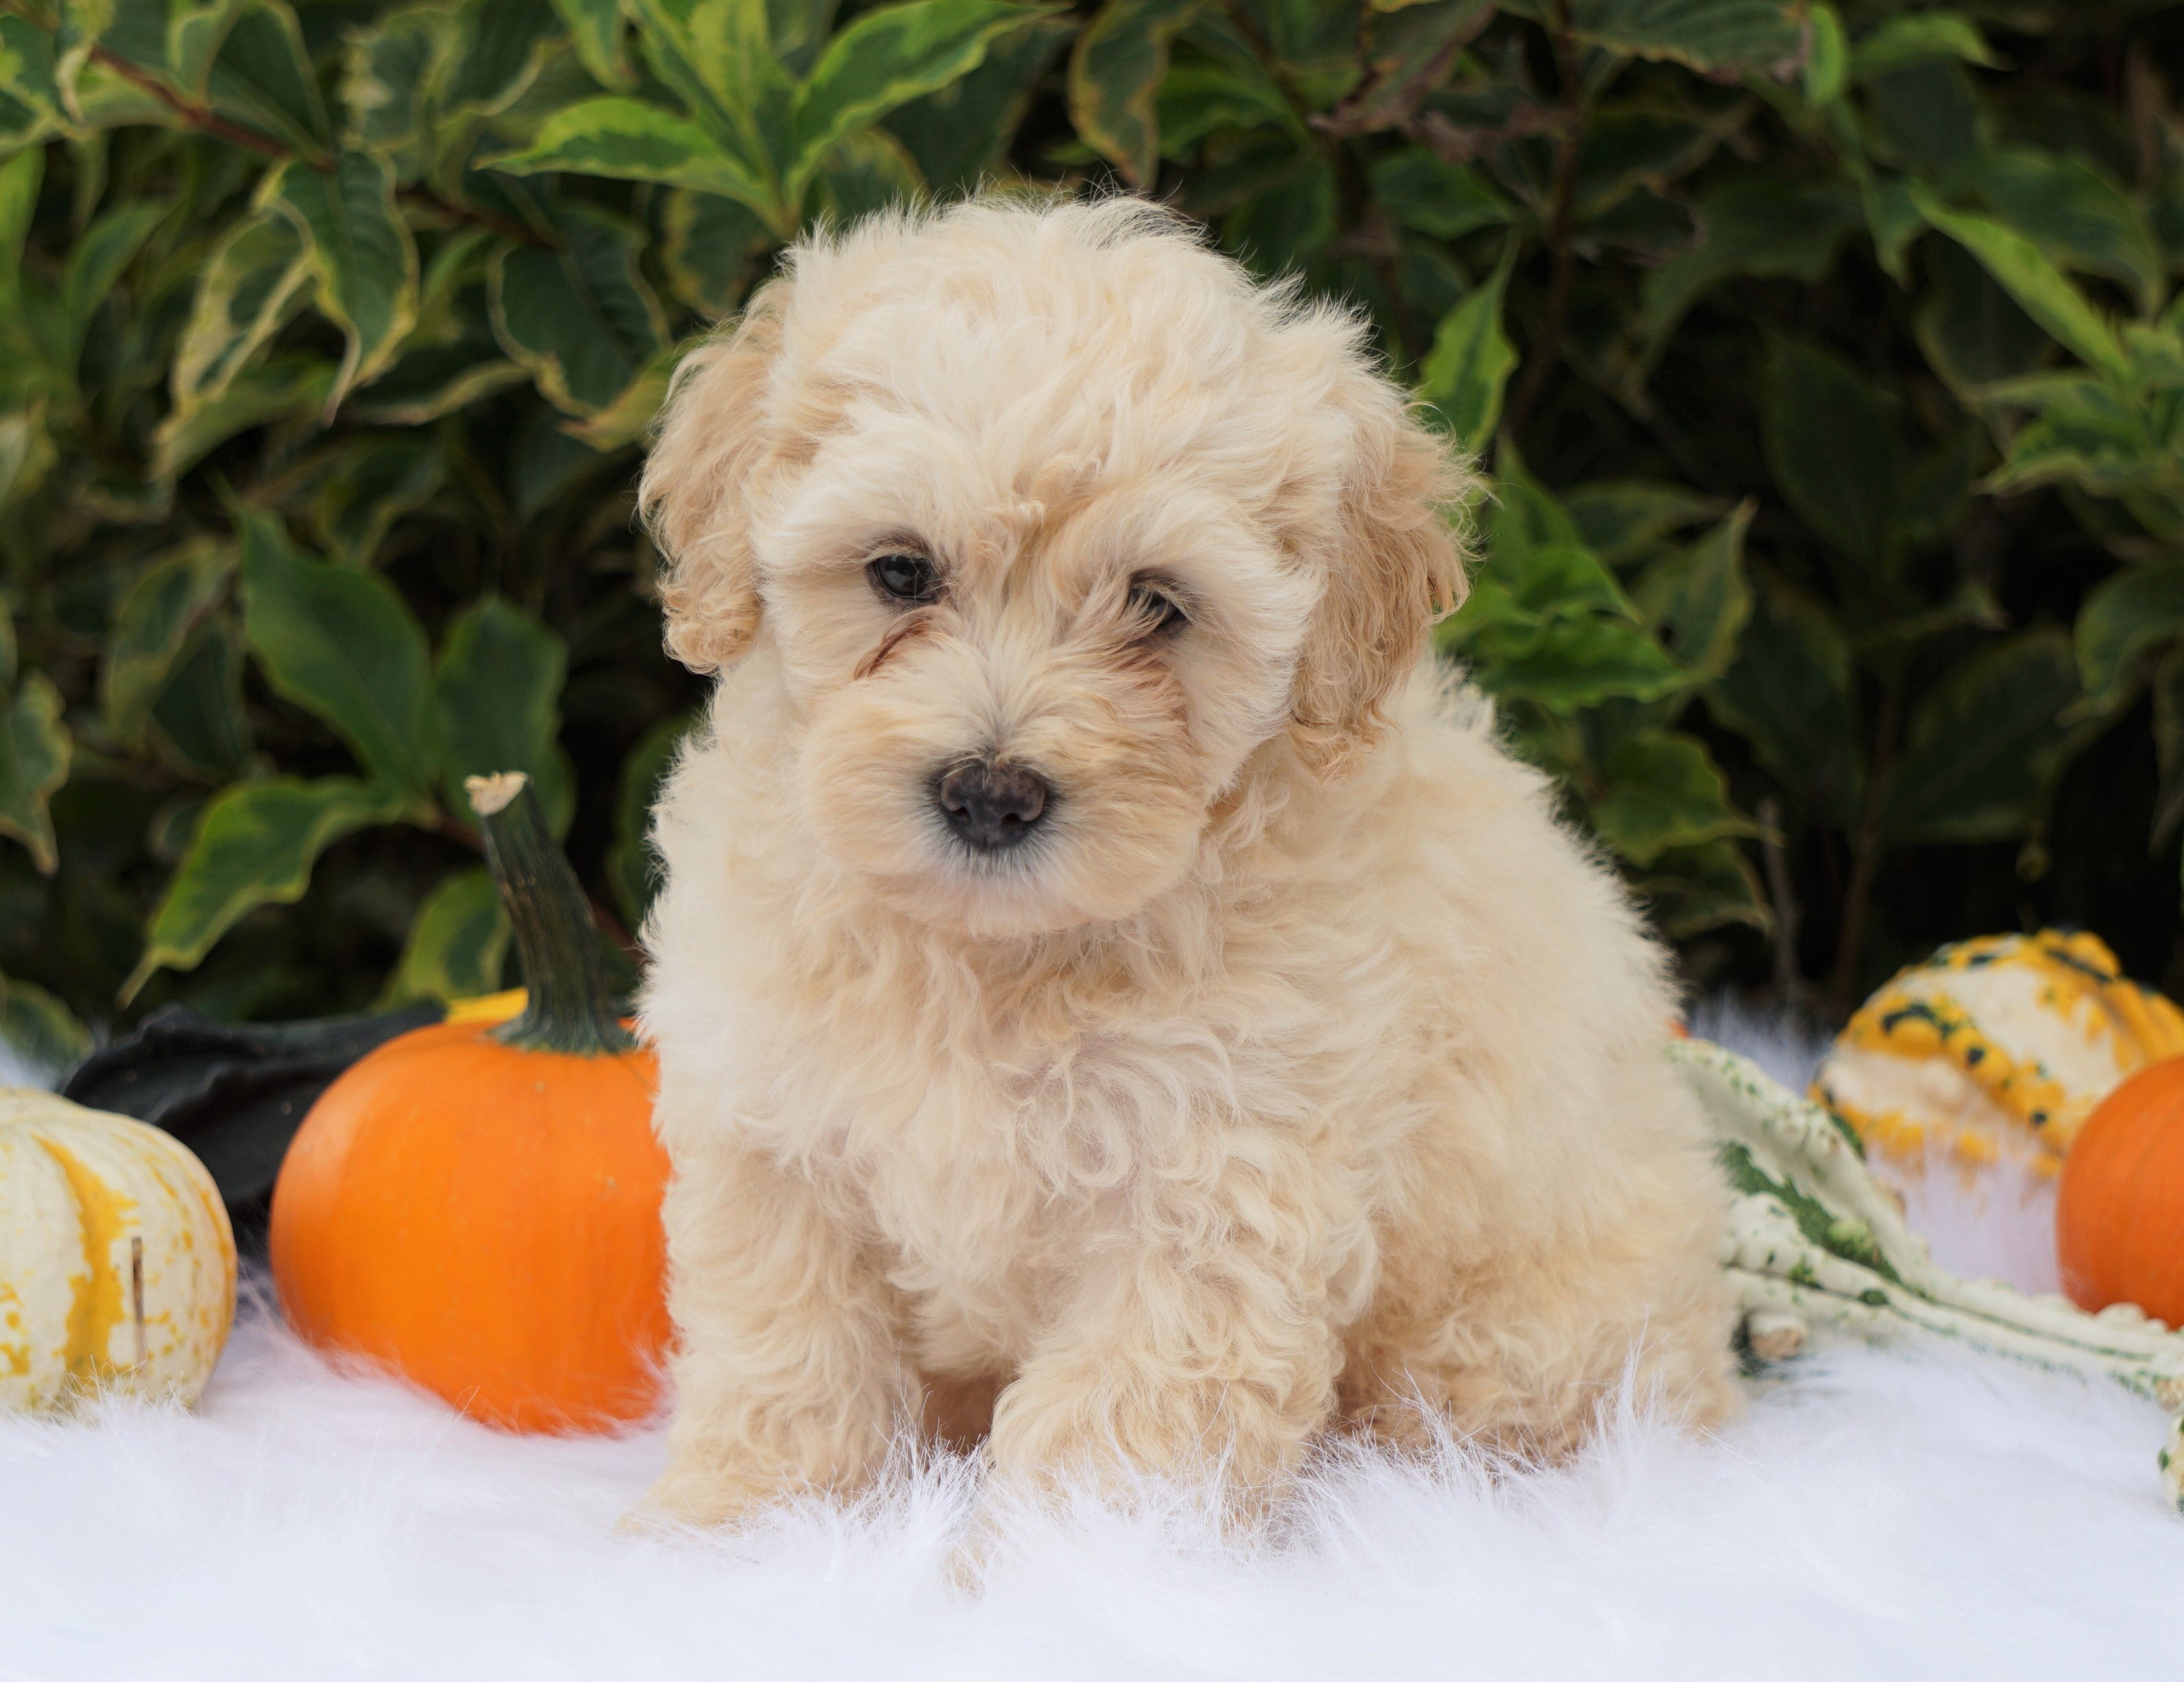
column 1158, row 612
column 908, row 578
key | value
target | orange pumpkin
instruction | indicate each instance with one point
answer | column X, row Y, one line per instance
column 476, row 1207
column 2119, row 1213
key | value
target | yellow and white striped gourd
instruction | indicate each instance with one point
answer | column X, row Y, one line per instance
column 1995, row 1047
column 117, row 1264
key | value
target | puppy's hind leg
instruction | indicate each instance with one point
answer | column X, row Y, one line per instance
column 788, row 1373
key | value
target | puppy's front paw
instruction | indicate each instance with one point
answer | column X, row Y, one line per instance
column 697, row 1497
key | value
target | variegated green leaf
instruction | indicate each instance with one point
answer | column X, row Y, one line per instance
column 255, row 846
column 287, row 387
column 595, row 30
column 1471, row 361
column 2023, row 271
column 254, row 284
column 29, row 97
column 1114, row 76
column 458, row 943
column 885, row 58
column 34, row 747
column 634, row 140
column 363, row 263
column 152, row 623
column 1661, row 788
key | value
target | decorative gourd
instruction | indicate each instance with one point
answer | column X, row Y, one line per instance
column 1814, row 1242
column 235, row 1092
column 117, row 1268
column 2119, row 1212
column 2000, row 1046
column 476, row 1207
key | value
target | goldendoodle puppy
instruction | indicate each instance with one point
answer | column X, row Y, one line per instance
column 1107, row 988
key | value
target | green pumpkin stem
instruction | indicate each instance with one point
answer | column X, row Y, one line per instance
column 557, row 944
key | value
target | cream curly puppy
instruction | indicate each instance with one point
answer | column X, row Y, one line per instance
column 1099, row 967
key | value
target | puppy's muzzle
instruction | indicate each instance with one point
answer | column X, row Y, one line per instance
column 992, row 807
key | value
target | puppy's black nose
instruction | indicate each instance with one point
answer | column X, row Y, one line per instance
column 991, row 807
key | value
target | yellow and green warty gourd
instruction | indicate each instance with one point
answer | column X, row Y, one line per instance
column 117, row 1264
column 1999, row 1046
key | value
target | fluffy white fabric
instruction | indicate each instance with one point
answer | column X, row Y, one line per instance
column 1916, row 1514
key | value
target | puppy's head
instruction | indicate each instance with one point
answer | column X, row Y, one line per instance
column 1053, row 519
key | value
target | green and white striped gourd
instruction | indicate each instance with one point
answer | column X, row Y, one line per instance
column 1814, row 1241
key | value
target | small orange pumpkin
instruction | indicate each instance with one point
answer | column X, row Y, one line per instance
column 476, row 1207
column 2120, row 1212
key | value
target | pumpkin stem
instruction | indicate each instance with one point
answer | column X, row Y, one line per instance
column 557, row 944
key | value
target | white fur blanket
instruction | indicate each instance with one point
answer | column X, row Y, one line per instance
column 1914, row 1514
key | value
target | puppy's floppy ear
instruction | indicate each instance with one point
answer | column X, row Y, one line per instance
column 1397, row 566
column 693, row 496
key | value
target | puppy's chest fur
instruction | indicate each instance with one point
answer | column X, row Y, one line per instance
column 987, row 1136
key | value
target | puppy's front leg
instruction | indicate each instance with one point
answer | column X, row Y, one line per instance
column 787, row 1372
column 1199, row 1337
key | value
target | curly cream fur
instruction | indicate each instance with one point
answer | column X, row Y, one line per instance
column 1300, row 1067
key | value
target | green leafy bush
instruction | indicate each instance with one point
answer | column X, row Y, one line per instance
column 1822, row 356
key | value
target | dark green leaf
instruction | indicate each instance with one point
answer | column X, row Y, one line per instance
column 458, row 944
column 1921, row 38
column 151, row 624
column 1751, row 225
column 630, row 866
column 579, row 318
column 497, row 691
column 1698, row 600
column 1790, row 694
column 1692, row 890
column 1566, row 663
column 255, row 846
column 1661, row 788
column 870, row 171
column 1981, row 745
column 40, row 1030
column 372, row 482
column 262, row 79
column 1972, row 331
column 2168, row 746
column 198, row 723
column 341, row 646
column 1622, row 520
column 104, row 250
column 2125, row 620
column 1765, row 36
column 1832, row 452
column 1445, row 201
